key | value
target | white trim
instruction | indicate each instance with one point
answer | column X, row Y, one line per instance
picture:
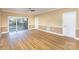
column 51, row 32
column 58, row 26
column 3, row 26
column 8, row 23
column 32, row 29
column 77, row 29
column 77, row 38
column 4, row 32
column 52, row 26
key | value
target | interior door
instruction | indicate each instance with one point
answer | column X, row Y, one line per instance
column 69, row 22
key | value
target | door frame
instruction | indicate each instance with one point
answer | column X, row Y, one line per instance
column 16, row 22
column 63, row 24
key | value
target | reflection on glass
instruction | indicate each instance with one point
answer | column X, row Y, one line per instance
column 21, row 24
column 12, row 24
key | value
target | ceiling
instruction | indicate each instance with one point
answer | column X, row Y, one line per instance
column 26, row 10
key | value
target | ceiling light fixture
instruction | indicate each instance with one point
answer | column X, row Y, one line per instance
column 31, row 10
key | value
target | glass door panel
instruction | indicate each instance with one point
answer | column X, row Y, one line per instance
column 22, row 23
column 12, row 24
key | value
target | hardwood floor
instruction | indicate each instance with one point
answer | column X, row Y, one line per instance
column 36, row 40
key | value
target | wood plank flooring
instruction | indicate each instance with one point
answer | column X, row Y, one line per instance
column 36, row 40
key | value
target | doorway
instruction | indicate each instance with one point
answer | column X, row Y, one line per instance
column 69, row 24
column 17, row 23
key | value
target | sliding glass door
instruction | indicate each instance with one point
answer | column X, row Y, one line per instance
column 17, row 24
column 12, row 24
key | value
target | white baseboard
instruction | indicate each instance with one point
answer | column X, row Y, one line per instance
column 77, row 38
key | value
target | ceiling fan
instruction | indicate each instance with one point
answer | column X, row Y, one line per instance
column 31, row 10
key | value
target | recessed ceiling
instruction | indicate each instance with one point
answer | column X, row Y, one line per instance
column 26, row 10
